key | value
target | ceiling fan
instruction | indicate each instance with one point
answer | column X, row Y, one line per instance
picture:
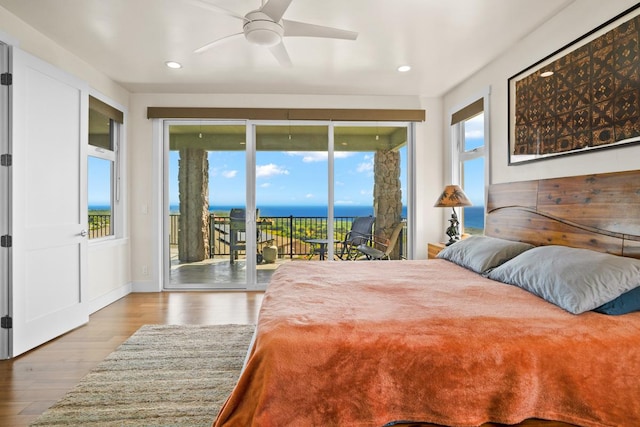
column 266, row 27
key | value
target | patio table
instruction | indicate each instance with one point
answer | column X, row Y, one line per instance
column 322, row 245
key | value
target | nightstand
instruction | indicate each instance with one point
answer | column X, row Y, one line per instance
column 434, row 249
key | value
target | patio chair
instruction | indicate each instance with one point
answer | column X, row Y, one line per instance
column 373, row 253
column 237, row 233
column 360, row 234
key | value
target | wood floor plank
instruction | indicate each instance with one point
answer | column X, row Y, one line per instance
column 32, row 382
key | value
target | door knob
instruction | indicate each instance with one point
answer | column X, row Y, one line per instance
column 83, row 233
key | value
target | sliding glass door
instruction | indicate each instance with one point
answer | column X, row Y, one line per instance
column 370, row 179
column 291, row 194
column 243, row 198
column 206, row 234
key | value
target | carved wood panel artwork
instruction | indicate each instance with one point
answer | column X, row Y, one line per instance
column 585, row 96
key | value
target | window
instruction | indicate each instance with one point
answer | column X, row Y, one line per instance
column 103, row 168
column 468, row 130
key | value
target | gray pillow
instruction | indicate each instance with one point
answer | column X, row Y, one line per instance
column 576, row 280
column 482, row 253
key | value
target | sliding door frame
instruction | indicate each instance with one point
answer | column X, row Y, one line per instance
column 161, row 131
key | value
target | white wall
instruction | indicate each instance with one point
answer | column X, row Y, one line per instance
column 32, row 41
column 576, row 20
column 430, row 178
column 108, row 270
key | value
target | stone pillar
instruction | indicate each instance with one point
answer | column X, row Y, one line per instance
column 193, row 185
column 387, row 195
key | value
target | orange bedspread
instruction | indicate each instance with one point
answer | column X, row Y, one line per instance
column 370, row 343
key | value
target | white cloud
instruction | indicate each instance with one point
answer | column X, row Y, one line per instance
column 474, row 134
column 309, row 196
column 474, row 128
column 230, row 174
column 365, row 167
column 265, row 171
column 265, row 185
column 343, row 202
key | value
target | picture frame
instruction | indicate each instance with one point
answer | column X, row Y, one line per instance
column 583, row 97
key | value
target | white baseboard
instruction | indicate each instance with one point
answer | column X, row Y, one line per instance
column 148, row 286
column 110, row 297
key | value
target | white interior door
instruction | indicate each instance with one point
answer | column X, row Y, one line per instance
column 49, row 209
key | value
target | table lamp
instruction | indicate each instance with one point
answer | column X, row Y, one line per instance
column 452, row 197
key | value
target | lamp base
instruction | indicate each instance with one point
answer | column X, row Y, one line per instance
column 453, row 231
column 451, row 241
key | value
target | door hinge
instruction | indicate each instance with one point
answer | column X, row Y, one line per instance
column 6, row 160
column 6, row 79
column 6, row 322
column 6, row 241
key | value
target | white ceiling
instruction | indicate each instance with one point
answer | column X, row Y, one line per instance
column 444, row 41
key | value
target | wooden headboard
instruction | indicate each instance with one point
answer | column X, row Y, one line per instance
column 599, row 212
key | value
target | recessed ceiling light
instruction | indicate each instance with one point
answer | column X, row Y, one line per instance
column 546, row 74
column 404, row 68
column 173, row 64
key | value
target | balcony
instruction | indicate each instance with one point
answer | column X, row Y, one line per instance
column 219, row 271
column 288, row 234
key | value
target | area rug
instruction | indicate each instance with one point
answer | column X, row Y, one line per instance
column 163, row 375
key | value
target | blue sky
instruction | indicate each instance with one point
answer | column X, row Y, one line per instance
column 474, row 173
column 287, row 178
column 99, row 176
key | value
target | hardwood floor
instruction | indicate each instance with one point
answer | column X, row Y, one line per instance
column 32, row 382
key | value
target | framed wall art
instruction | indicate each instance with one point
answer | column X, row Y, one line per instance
column 583, row 97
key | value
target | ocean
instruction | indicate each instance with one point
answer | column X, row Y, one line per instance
column 474, row 215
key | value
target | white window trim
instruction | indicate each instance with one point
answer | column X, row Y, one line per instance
column 458, row 155
column 457, row 138
column 118, row 178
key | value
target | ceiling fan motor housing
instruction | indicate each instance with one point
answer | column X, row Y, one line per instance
column 260, row 29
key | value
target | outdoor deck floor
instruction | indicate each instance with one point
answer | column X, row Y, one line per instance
column 218, row 274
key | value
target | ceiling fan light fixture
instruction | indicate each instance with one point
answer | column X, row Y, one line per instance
column 262, row 30
column 263, row 37
column 266, row 27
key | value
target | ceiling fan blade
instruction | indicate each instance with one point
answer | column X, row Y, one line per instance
column 216, row 42
column 303, row 29
column 280, row 52
column 275, row 9
column 211, row 6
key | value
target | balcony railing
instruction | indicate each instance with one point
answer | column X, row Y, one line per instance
column 99, row 226
column 288, row 234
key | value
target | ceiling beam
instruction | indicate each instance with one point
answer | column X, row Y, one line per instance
column 331, row 114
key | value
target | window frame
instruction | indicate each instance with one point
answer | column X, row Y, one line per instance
column 116, row 135
column 459, row 155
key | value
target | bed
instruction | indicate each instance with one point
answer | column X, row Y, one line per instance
column 452, row 341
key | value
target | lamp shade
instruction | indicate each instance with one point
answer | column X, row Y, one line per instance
column 452, row 196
